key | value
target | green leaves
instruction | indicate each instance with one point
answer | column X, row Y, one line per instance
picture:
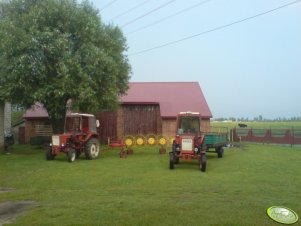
column 56, row 50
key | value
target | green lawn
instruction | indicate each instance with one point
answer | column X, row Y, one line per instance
column 141, row 190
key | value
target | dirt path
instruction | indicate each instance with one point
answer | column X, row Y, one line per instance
column 9, row 210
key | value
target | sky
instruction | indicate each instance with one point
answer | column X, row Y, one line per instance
column 245, row 54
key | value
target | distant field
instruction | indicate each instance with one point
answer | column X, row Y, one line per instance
column 141, row 190
column 260, row 125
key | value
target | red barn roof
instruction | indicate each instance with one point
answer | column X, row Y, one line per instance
column 173, row 97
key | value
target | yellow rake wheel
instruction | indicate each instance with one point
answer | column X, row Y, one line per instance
column 129, row 141
column 140, row 140
column 162, row 141
column 151, row 140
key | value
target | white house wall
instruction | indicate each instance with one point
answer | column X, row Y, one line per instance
column 1, row 125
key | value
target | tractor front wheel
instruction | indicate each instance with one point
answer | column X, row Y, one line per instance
column 203, row 163
column 49, row 155
column 92, row 149
column 71, row 155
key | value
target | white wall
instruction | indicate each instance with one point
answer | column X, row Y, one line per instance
column 1, row 125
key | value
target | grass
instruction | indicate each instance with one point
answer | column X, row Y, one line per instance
column 141, row 190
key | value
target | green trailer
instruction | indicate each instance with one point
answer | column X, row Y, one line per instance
column 217, row 138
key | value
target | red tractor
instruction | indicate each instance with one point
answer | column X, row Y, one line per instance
column 191, row 143
column 80, row 136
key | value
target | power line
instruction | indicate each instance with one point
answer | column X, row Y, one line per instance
column 107, row 5
column 214, row 29
column 130, row 10
column 168, row 17
column 146, row 14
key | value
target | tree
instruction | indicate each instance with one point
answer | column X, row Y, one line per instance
column 52, row 51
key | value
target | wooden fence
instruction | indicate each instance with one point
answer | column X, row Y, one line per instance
column 275, row 136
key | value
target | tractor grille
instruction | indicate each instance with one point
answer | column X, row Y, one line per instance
column 187, row 144
column 56, row 140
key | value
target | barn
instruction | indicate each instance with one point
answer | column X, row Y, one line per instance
column 147, row 108
column 151, row 108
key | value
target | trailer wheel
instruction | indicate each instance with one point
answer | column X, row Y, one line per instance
column 49, row 155
column 220, row 152
column 71, row 155
column 92, row 149
column 203, row 163
column 171, row 161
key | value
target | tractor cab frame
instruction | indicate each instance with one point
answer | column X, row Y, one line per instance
column 189, row 142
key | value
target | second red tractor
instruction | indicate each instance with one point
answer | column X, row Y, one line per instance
column 80, row 136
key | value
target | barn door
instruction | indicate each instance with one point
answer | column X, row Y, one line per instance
column 141, row 119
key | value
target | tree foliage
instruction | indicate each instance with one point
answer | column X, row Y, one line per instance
column 55, row 50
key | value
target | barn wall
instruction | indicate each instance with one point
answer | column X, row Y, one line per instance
column 108, row 125
column 129, row 119
column 120, row 123
column 205, row 125
column 169, row 128
column 138, row 119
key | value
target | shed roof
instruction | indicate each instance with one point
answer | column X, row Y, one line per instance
column 173, row 97
column 36, row 111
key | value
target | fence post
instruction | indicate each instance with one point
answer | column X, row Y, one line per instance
column 293, row 137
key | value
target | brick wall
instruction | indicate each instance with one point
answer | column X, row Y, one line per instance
column 169, row 129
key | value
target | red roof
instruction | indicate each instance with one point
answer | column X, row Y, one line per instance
column 173, row 97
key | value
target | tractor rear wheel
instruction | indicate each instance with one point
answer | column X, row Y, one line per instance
column 49, row 155
column 203, row 163
column 171, row 161
column 71, row 155
column 92, row 149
